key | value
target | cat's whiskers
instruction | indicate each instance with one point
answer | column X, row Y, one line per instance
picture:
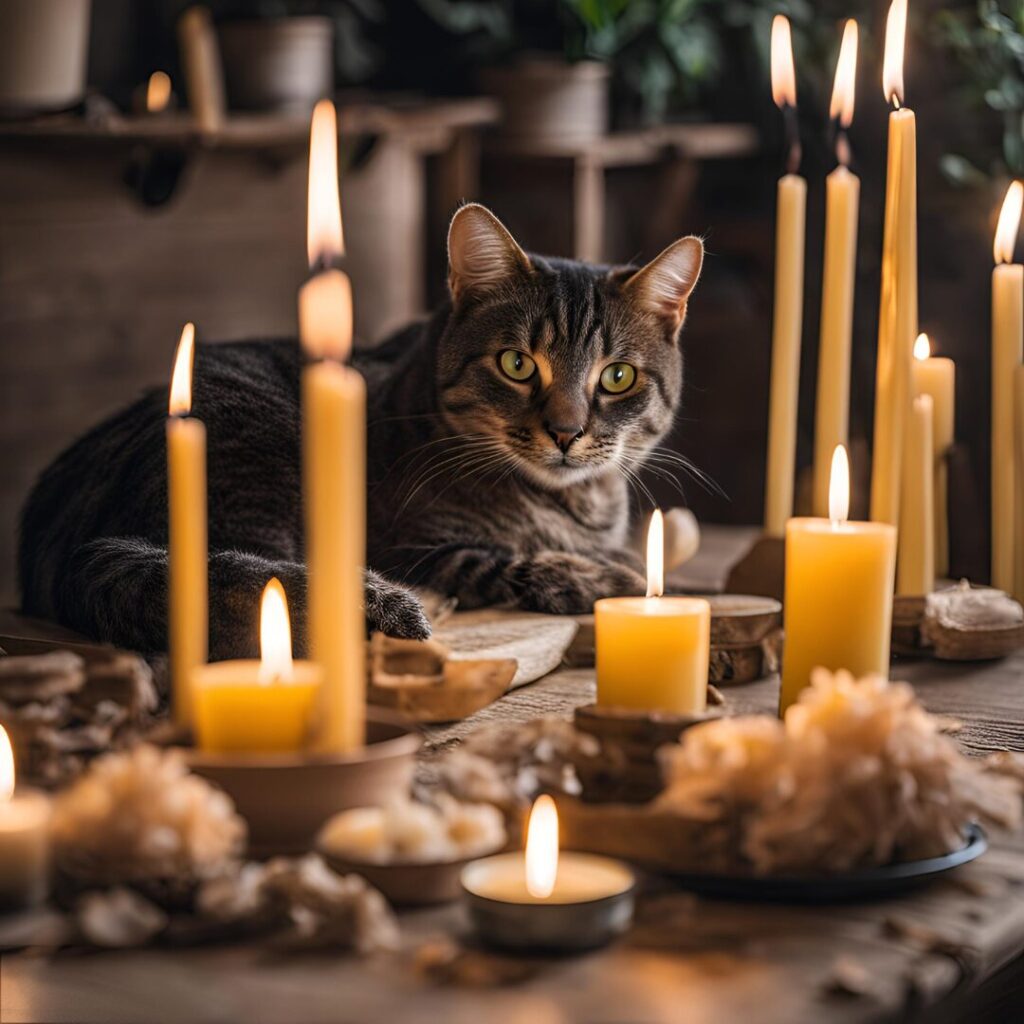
column 470, row 455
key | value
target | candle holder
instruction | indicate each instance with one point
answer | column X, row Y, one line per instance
column 286, row 797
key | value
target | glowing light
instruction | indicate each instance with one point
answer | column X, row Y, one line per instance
column 275, row 634
column 1009, row 223
column 6, row 766
column 181, row 379
column 324, row 239
column 844, row 89
column 839, row 487
column 542, row 848
column 922, row 348
column 158, row 92
column 783, row 72
column 656, row 555
column 895, row 41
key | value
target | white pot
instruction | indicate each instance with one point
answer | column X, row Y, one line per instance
column 43, row 50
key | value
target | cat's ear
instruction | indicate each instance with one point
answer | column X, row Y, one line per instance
column 481, row 252
column 664, row 285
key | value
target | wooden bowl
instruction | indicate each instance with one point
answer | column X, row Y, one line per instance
column 285, row 798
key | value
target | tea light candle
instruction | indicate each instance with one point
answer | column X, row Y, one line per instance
column 258, row 706
column 839, row 588
column 547, row 899
column 652, row 652
column 24, row 837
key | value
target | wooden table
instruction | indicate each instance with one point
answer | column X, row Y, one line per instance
column 934, row 952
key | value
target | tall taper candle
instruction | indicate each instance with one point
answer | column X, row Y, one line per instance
column 915, row 558
column 1007, row 352
column 334, row 458
column 787, row 322
column 842, row 206
column 188, row 624
column 1018, row 409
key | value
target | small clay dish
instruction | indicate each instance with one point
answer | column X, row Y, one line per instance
column 285, row 798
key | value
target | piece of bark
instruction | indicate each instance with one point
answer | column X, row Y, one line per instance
column 40, row 677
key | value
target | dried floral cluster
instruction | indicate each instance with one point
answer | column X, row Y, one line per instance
column 858, row 774
column 406, row 831
column 63, row 710
column 141, row 818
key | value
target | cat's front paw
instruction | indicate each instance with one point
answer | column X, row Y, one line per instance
column 394, row 610
column 566, row 584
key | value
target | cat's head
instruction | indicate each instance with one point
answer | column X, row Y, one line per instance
column 556, row 369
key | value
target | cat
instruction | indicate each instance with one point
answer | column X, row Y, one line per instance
column 501, row 434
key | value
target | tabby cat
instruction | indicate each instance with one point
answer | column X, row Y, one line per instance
column 501, row 434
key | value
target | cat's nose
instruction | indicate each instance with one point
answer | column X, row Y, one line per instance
column 563, row 436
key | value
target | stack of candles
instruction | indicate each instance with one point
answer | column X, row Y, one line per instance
column 272, row 705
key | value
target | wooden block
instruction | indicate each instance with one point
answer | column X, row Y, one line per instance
column 761, row 570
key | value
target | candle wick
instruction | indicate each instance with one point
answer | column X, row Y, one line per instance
column 842, row 148
column 896, row 102
column 795, row 153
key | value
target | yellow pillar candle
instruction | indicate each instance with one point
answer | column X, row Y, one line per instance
column 842, row 206
column 915, row 559
column 787, row 322
column 24, row 838
column 897, row 324
column 1007, row 352
column 839, row 587
column 1018, row 407
column 260, row 706
column 935, row 376
column 188, row 623
column 334, row 459
column 652, row 652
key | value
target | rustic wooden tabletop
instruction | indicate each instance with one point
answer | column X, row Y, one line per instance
column 935, row 953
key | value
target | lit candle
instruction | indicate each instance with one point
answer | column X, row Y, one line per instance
column 188, row 624
column 839, row 587
column 787, row 322
column 897, row 321
column 915, row 558
column 842, row 206
column 1018, row 406
column 935, row 376
column 547, row 898
column 24, row 837
column 258, row 706
column 652, row 652
column 1007, row 352
column 158, row 92
column 334, row 456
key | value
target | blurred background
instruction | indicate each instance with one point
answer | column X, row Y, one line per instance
column 603, row 129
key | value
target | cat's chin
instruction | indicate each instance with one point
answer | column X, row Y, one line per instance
column 557, row 476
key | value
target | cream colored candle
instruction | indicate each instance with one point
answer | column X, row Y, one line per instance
column 897, row 324
column 1018, row 408
column 188, row 622
column 1007, row 352
column 839, row 587
column 334, row 459
column 787, row 318
column 842, row 207
column 258, row 706
column 24, row 838
column 915, row 559
column 652, row 652
column 935, row 376
column 204, row 76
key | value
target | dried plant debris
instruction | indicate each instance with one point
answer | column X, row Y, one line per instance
column 858, row 774
column 849, row 977
column 966, row 623
column 118, row 918
column 141, row 818
column 443, row 962
column 63, row 710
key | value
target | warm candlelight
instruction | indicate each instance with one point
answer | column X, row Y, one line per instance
column 158, row 92
column 787, row 320
column 915, row 558
column 652, row 652
column 258, row 706
column 935, row 376
column 897, row 323
column 842, row 206
column 188, row 624
column 24, row 837
column 1007, row 353
column 839, row 587
column 334, row 456
column 1018, row 409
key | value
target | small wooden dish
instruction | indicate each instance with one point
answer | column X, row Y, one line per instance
column 285, row 798
column 740, row 619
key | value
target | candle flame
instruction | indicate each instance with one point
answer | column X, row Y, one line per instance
column 6, row 766
column 542, row 848
column 158, row 92
column 275, row 634
column 181, row 379
column 324, row 239
column 922, row 348
column 844, row 89
column 656, row 555
column 783, row 72
column 895, row 40
column 325, row 315
column 839, row 487
column 1009, row 223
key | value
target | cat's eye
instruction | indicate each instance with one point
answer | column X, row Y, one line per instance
column 617, row 378
column 516, row 365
